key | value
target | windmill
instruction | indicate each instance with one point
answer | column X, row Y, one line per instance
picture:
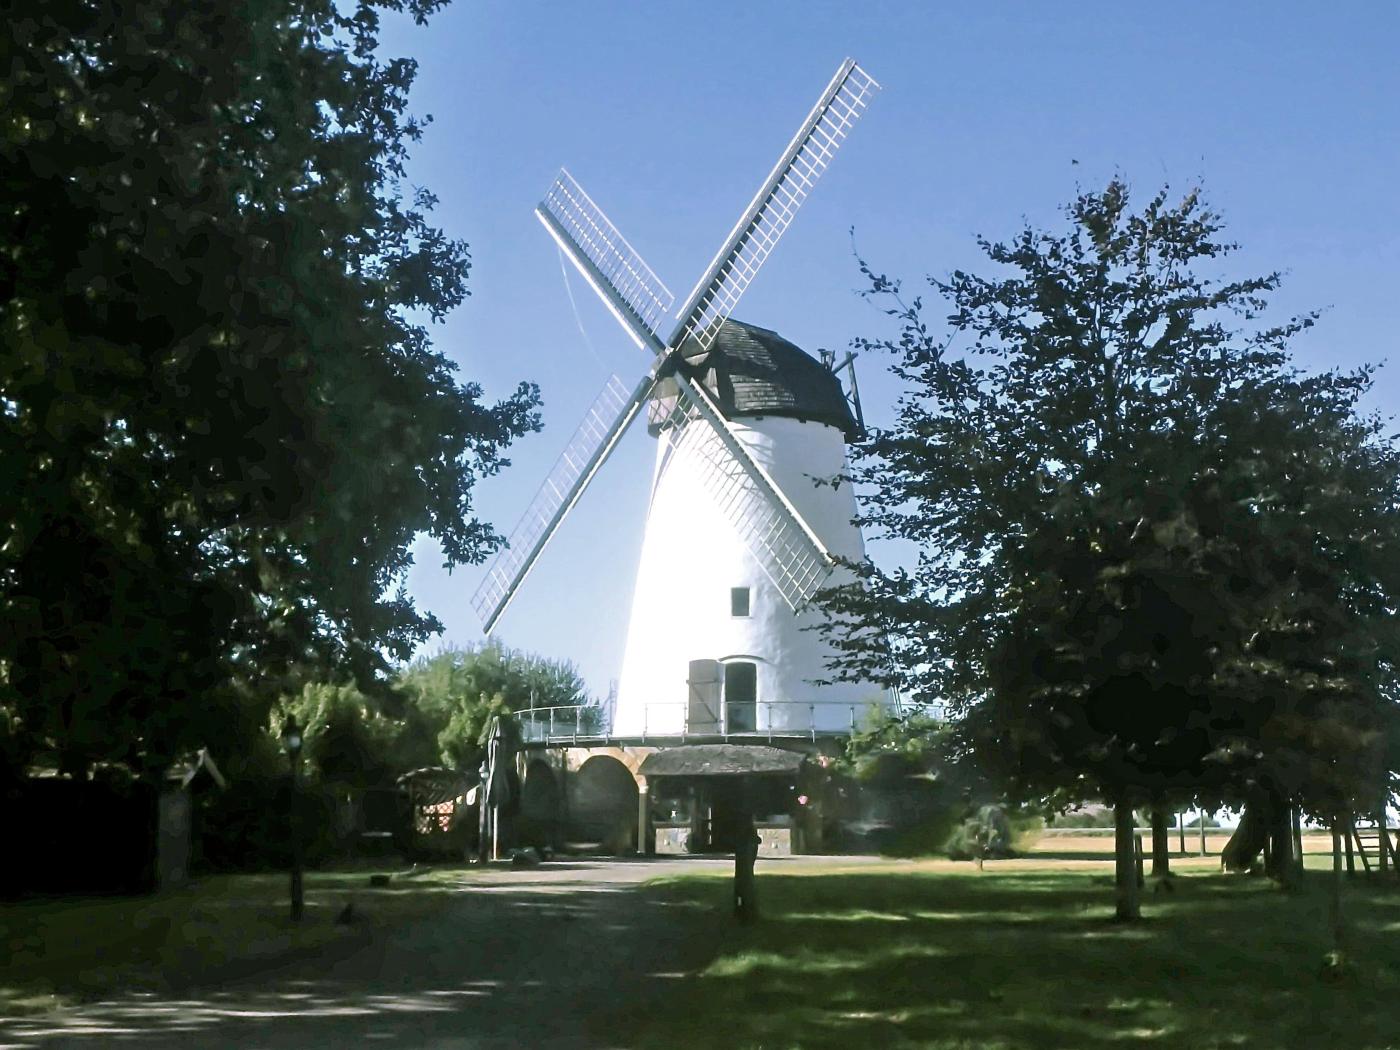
column 732, row 469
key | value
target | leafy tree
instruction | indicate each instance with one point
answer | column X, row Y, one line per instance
column 458, row 691
column 222, row 421
column 352, row 743
column 1130, row 538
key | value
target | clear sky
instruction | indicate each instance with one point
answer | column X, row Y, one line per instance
column 670, row 114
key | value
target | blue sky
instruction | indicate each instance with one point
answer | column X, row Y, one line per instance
column 670, row 114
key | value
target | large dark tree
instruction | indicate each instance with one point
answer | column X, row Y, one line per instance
column 1139, row 532
column 222, row 421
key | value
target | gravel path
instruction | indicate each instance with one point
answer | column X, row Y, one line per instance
column 525, row 958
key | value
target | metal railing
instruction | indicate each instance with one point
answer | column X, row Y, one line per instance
column 676, row 720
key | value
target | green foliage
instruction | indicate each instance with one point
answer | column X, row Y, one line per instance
column 984, row 835
column 1152, row 557
column 902, row 744
column 222, row 422
column 248, row 826
column 457, row 692
column 351, row 744
column 959, row 806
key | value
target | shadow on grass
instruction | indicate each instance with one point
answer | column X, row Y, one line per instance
column 1031, row 959
column 499, row 965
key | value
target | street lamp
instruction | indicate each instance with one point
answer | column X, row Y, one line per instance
column 292, row 741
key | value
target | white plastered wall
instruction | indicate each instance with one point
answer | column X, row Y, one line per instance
column 692, row 556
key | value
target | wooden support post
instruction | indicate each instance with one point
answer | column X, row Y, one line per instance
column 644, row 847
column 1381, row 841
column 1203, row 832
column 1298, row 837
column 1181, row 833
column 1390, row 848
column 1360, row 846
column 1336, row 909
column 1137, row 860
column 1346, row 841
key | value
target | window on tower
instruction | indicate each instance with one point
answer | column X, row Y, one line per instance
column 738, row 601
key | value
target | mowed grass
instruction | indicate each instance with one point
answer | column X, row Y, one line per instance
column 55, row 952
column 1025, row 954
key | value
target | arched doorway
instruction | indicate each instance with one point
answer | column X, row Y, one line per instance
column 603, row 805
column 539, row 806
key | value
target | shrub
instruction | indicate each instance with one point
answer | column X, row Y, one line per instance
column 987, row 833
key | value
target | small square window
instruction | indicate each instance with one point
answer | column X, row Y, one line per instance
column 738, row 601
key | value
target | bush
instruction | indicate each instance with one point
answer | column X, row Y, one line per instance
column 246, row 826
column 987, row 833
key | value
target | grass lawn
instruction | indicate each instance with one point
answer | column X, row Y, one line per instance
column 1024, row 954
column 58, row 951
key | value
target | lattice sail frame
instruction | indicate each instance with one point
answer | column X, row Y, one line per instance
column 771, row 211
column 796, row 563
column 583, row 222
column 602, row 426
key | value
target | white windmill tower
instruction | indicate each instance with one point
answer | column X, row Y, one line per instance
column 738, row 536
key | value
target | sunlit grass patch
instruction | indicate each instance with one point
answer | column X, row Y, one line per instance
column 930, row 955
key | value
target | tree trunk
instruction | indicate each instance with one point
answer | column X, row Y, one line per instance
column 1281, row 865
column 1298, row 840
column 1161, row 840
column 1125, row 861
column 1245, row 844
column 745, row 854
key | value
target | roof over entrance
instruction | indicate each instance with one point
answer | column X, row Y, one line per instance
column 719, row 760
column 753, row 371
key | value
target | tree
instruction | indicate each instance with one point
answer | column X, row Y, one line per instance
column 1097, row 488
column 222, row 421
column 458, row 691
column 351, row 743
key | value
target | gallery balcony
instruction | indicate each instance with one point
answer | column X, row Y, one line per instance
column 677, row 722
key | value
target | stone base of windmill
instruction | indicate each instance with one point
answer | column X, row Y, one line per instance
column 621, row 799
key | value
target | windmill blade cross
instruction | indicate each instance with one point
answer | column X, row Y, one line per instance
column 792, row 555
column 771, row 212
column 592, row 443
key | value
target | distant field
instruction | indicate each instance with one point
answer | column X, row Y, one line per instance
column 934, row 954
column 1315, row 845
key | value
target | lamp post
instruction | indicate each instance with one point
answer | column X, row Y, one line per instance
column 292, row 741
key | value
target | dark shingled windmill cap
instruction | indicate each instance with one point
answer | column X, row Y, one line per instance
column 752, row 371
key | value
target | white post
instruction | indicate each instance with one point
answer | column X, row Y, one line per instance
column 643, row 818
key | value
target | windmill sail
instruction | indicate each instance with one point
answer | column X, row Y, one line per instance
column 773, row 207
column 626, row 283
column 591, row 444
column 791, row 554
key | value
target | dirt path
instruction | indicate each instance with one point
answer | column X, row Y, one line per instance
column 524, row 959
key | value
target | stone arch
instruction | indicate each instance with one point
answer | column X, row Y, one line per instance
column 630, row 757
column 603, row 803
column 539, row 805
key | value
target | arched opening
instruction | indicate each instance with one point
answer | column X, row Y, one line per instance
column 539, row 806
column 603, row 805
